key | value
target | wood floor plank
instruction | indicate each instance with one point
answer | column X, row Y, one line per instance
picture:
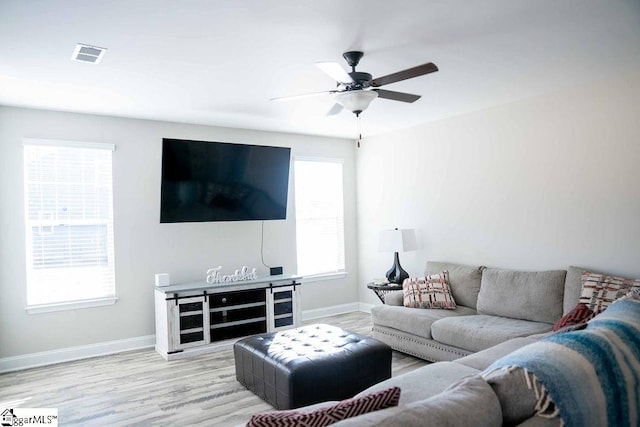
column 140, row 388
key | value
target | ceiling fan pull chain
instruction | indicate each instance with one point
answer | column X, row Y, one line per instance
column 359, row 129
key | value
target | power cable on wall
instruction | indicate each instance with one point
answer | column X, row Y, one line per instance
column 262, row 246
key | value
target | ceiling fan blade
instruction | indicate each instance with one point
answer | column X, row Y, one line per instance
column 420, row 70
column 335, row 71
column 305, row 95
column 397, row 96
column 336, row 109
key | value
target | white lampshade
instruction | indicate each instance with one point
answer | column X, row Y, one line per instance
column 356, row 101
column 397, row 240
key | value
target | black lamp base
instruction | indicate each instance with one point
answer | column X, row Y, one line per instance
column 396, row 274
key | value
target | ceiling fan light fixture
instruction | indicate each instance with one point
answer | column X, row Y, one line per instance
column 356, row 101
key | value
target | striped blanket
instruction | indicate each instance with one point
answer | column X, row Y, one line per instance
column 592, row 376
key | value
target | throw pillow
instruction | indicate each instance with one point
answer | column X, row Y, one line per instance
column 464, row 281
column 432, row 291
column 580, row 314
column 329, row 414
column 599, row 290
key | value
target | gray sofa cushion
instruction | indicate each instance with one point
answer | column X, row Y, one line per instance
column 424, row 382
column 469, row 401
column 482, row 331
column 394, row 298
column 416, row 385
column 535, row 296
column 416, row 321
column 463, row 279
column 572, row 288
column 519, row 393
column 482, row 359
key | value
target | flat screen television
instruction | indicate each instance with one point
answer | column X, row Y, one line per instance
column 220, row 181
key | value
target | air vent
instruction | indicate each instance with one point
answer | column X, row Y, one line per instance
column 87, row 53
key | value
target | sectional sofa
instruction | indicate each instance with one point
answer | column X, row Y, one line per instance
column 492, row 306
column 583, row 377
column 498, row 359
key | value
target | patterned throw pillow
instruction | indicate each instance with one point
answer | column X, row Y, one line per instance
column 580, row 314
column 432, row 291
column 330, row 414
column 599, row 291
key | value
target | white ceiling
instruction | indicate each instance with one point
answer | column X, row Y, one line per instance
column 219, row 62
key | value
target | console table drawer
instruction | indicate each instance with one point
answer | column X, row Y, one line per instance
column 228, row 299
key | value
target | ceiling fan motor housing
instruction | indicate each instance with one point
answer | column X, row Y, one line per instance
column 360, row 80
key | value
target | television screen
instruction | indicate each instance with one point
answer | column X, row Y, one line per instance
column 219, row 181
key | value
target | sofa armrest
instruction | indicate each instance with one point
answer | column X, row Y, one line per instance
column 394, row 298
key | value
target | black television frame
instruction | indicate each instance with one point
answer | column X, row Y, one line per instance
column 214, row 181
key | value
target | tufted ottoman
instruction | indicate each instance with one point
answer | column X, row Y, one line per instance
column 311, row 364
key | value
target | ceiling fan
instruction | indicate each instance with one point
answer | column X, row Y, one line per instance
column 356, row 89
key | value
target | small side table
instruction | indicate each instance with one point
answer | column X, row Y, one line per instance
column 382, row 290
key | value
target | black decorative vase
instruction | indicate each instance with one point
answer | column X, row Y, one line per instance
column 396, row 274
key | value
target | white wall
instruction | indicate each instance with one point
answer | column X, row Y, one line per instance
column 539, row 184
column 143, row 245
column 543, row 183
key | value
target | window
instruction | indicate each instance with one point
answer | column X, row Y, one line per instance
column 68, row 224
column 319, row 216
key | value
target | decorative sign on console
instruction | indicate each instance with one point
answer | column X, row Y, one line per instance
column 214, row 276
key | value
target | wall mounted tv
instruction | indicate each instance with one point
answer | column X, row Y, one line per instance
column 219, row 181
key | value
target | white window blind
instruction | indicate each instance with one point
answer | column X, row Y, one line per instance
column 69, row 222
column 319, row 216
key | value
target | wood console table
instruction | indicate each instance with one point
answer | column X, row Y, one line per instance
column 194, row 318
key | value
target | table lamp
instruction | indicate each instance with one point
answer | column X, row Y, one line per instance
column 397, row 241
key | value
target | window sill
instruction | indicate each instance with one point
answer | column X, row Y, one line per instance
column 62, row 306
column 324, row 276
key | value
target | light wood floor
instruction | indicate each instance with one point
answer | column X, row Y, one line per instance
column 141, row 388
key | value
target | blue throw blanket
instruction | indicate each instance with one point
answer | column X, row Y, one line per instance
column 592, row 375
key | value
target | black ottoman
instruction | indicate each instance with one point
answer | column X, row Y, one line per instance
column 311, row 364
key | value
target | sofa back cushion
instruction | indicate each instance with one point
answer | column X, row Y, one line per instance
column 527, row 295
column 572, row 288
column 470, row 401
column 464, row 281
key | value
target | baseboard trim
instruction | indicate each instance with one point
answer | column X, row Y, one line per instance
column 329, row 311
column 366, row 307
column 33, row 360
